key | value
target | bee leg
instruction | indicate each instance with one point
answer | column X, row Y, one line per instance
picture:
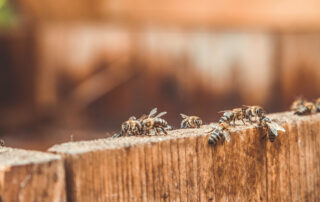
column 234, row 122
column 156, row 131
column 116, row 135
column 243, row 122
column 183, row 124
column 164, row 131
column 198, row 124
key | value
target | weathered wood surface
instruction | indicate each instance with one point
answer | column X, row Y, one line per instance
column 183, row 167
column 31, row 176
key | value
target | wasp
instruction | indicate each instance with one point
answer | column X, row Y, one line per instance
column 155, row 123
column 271, row 128
column 306, row 108
column 190, row 121
column 297, row 104
column 131, row 127
column 254, row 112
column 233, row 115
column 219, row 133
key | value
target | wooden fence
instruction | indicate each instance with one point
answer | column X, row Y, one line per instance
column 178, row 167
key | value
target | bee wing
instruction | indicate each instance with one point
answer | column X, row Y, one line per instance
column 223, row 111
column 226, row 135
column 132, row 118
column 274, row 128
column 184, row 116
column 161, row 114
column 153, row 112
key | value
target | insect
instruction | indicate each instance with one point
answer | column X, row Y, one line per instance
column 271, row 128
column 297, row 104
column 306, row 108
column 219, row 133
column 190, row 121
column 233, row 115
column 131, row 127
column 155, row 123
column 254, row 112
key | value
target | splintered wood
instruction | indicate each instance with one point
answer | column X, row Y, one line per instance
column 31, row 176
column 183, row 167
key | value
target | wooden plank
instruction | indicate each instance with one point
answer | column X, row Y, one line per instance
column 183, row 167
column 31, row 176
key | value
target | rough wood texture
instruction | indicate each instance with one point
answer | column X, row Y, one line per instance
column 31, row 176
column 183, row 167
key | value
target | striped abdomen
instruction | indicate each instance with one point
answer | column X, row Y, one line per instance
column 215, row 136
column 227, row 117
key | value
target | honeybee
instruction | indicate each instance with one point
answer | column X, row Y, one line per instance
column 190, row 121
column 254, row 112
column 219, row 133
column 297, row 104
column 131, row 127
column 233, row 115
column 271, row 128
column 306, row 108
column 155, row 123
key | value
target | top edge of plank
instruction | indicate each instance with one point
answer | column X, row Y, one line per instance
column 16, row 157
column 124, row 142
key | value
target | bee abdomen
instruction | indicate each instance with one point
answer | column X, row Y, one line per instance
column 215, row 137
column 161, row 122
column 302, row 111
column 272, row 137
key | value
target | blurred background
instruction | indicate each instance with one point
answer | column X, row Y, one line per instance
column 81, row 68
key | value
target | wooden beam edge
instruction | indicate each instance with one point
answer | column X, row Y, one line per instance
column 74, row 148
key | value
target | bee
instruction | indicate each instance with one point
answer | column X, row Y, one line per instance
column 233, row 115
column 219, row 133
column 297, row 104
column 155, row 123
column 306, row 108
column 131, row 127
column 271, row 128
column 254, row 112
column 190, row 121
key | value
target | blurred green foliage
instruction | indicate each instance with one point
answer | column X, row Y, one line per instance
column 7, row 14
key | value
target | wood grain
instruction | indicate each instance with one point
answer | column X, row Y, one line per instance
column 31, row 176
column 183, row 167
